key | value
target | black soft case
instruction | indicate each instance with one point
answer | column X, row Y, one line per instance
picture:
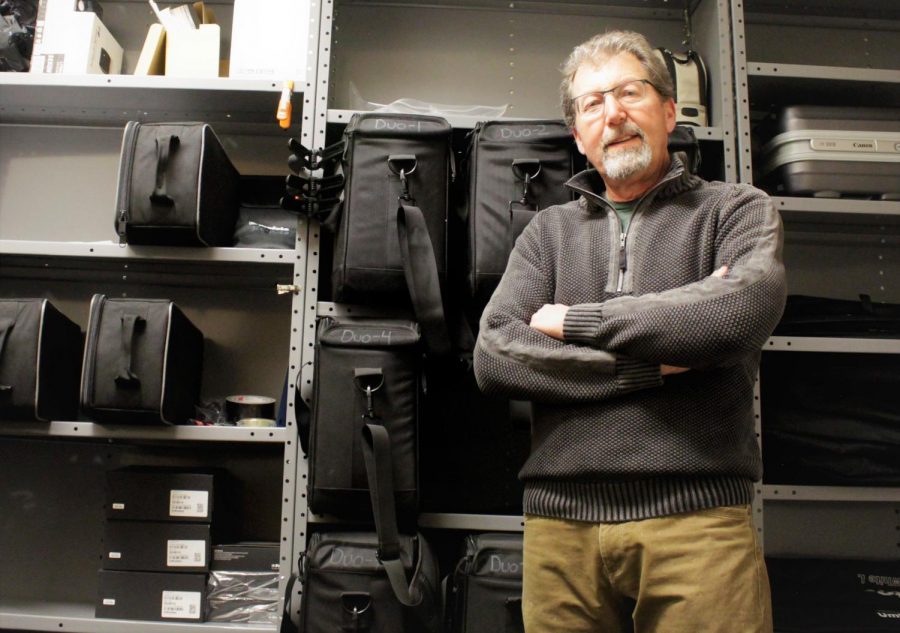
column 367, row 263
column 143, row 362
column 351, row 355
column 40, row 352
column 515, row 168
column 177, row 186
column 485, row 591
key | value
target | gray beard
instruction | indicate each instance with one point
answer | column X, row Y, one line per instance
column 625, row 163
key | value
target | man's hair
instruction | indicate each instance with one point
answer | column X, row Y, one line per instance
column 598, row 50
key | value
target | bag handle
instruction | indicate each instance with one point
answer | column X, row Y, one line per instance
column 164, row 150
column 6, row 326
column 126, row 378
column 377, row 453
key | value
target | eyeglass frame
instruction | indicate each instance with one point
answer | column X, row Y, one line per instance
column 603, row 93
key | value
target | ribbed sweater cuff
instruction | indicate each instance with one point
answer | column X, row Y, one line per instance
column 636, row 374
column 582, row 323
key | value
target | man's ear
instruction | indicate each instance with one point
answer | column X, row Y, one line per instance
column 669, row 110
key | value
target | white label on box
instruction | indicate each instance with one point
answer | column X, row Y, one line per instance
column 185, row 553
column 115, row 554
column 181, row 604
column 109, row 602
column 842, row 145
column 118, row 506
column 188, row 503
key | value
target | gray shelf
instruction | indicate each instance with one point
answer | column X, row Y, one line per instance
column 110, row 250
column 774, row 84
column 80, row 618
column 788, row 493
column 90, row 430
column 832, row 9
column 231, row 105
column 839, row 212
column 838, row 345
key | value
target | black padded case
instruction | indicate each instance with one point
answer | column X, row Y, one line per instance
column 515, row 168
column 367, row 264
column 485, row 591
column 143, row 362
column 176, row 186
column 351, row 355
column 40, row 353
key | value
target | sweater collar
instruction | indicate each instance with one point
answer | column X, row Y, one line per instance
column 678, row 179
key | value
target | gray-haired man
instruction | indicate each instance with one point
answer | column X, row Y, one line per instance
column 633, row 319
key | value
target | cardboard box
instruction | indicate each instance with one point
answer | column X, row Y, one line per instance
column 133, row 595
column 150, row 546
column 193, row 52
column 270, row 40
column 151, row 494
column 75, row 43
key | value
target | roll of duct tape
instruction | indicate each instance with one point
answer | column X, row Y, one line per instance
column 242, row 407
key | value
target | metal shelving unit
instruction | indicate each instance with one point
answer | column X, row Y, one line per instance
column 59, row 138
column 833, row 247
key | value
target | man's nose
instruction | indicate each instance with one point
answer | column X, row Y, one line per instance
column 615, row 113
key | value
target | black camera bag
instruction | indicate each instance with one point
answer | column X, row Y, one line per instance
column 514, row 169
column 176, row 187
column 143, row 362
column 391, row 243
column 40, row 355
column 484, row 595
column 367, row 371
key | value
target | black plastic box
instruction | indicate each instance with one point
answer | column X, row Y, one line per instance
column 149, row 494
column 156, row 546
column 151, row 596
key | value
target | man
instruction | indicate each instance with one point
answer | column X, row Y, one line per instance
column 633, row 320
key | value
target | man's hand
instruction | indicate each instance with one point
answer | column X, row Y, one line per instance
column 549, row 319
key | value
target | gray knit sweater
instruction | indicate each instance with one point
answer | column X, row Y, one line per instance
column 612, row 440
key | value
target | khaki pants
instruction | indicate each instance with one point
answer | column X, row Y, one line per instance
column 701, row 572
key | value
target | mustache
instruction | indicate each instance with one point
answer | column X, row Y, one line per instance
column 627, row 129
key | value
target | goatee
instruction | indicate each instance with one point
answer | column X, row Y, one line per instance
column 620, row 164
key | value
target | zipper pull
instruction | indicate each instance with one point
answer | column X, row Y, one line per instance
column 121, row 227
column 623, row 262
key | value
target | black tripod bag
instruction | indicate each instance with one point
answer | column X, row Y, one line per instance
column 391, row 243
column 367, row 372
column 514, row 169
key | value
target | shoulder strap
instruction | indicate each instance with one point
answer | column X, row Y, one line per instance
column 377, row 453
column 6, row 325
column 420, row 270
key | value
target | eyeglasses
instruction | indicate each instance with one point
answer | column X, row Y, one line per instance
column 593, row 104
